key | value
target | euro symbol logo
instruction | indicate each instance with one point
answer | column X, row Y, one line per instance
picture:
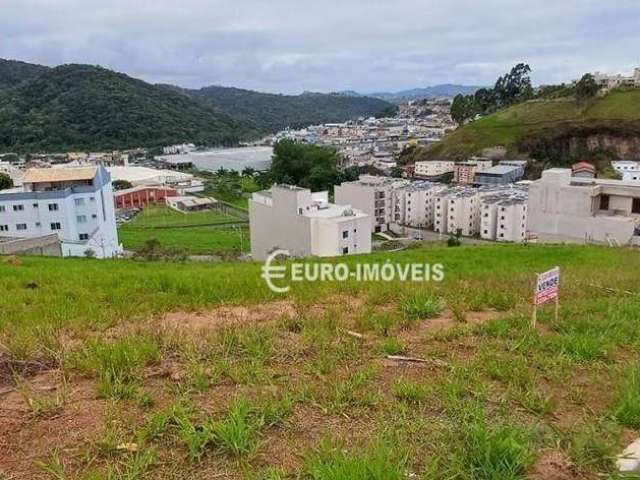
column 271, row 272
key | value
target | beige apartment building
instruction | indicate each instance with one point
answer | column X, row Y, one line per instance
column 565, row 208
column 305, row 224
column 464, row 172
column 433, row 168
column 373, row 196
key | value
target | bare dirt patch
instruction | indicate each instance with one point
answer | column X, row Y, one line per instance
column 230, row 315
column 553, row 465
column 26, row 438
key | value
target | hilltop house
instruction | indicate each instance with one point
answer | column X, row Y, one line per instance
column 565, row 208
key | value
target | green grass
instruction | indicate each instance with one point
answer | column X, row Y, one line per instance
column 501, row 452
column 375, row 462
column 253, row 395
column 162, row 216
column 197, row 233
column 627, row 407
column 193, row 240
column 421, row 306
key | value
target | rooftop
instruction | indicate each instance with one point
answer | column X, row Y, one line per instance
column 45, row 175
column 499, row 170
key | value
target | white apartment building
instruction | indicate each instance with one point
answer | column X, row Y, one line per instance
column 629, row 170
column 433, row 168
column 373, row 196
column 74, row 203
column 463, row 211
column 503, row 219
column 414, row 203
column 565, row 208
column 305, row 224
column 457, row 209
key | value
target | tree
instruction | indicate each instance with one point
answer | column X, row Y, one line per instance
column 396, row 172
column 5, row 181
column 308, row 166
column 121, row 184
column 586, row 88
column 514, row 86
column 463, row 108
column 485, row 99
column 248, row 172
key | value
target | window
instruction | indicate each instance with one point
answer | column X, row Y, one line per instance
column 18, row 208
column 345, row 234
column 84, row 236
column 486, row 232
column 4, row 228
column 53, row 207
column 81, row 219
column 37, row 224
column 2, row 208
column 345, row 250
column 55, row 226
column 94, row 216
column 604, row 202
column 79, row 202
column 21, row 226
column 35, row 205
column 635, row 205
column 92, row 199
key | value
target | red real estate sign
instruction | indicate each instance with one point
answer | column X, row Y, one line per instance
column 547, row 286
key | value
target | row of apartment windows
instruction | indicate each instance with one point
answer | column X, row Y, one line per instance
column 21, row 227
column 53, row 207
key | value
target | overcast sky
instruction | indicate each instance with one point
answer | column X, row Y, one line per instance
column 325, row 45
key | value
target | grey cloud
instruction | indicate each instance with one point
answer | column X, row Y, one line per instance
column 290, row 46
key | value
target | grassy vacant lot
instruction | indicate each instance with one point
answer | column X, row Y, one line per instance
column 616, row 112
column 123, row 370
column 162, row 216
column 197, row 233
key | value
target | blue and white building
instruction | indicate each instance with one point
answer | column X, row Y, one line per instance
column 74, row 203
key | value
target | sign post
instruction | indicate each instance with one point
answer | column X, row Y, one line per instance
column 547, row 285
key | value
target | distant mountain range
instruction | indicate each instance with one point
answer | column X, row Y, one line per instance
column 436, row 91
column 271, row 112
column 92, row 108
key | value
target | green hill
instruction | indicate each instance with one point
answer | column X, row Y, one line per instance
column 554, row 129
column 86, row 107
column 271, row 112
column 13, row 72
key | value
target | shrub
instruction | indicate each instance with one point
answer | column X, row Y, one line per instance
column 421, row 306
column 236, row 434
column 409, row 392
column 627, row 407
column 378, row 462
column 499, row 453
